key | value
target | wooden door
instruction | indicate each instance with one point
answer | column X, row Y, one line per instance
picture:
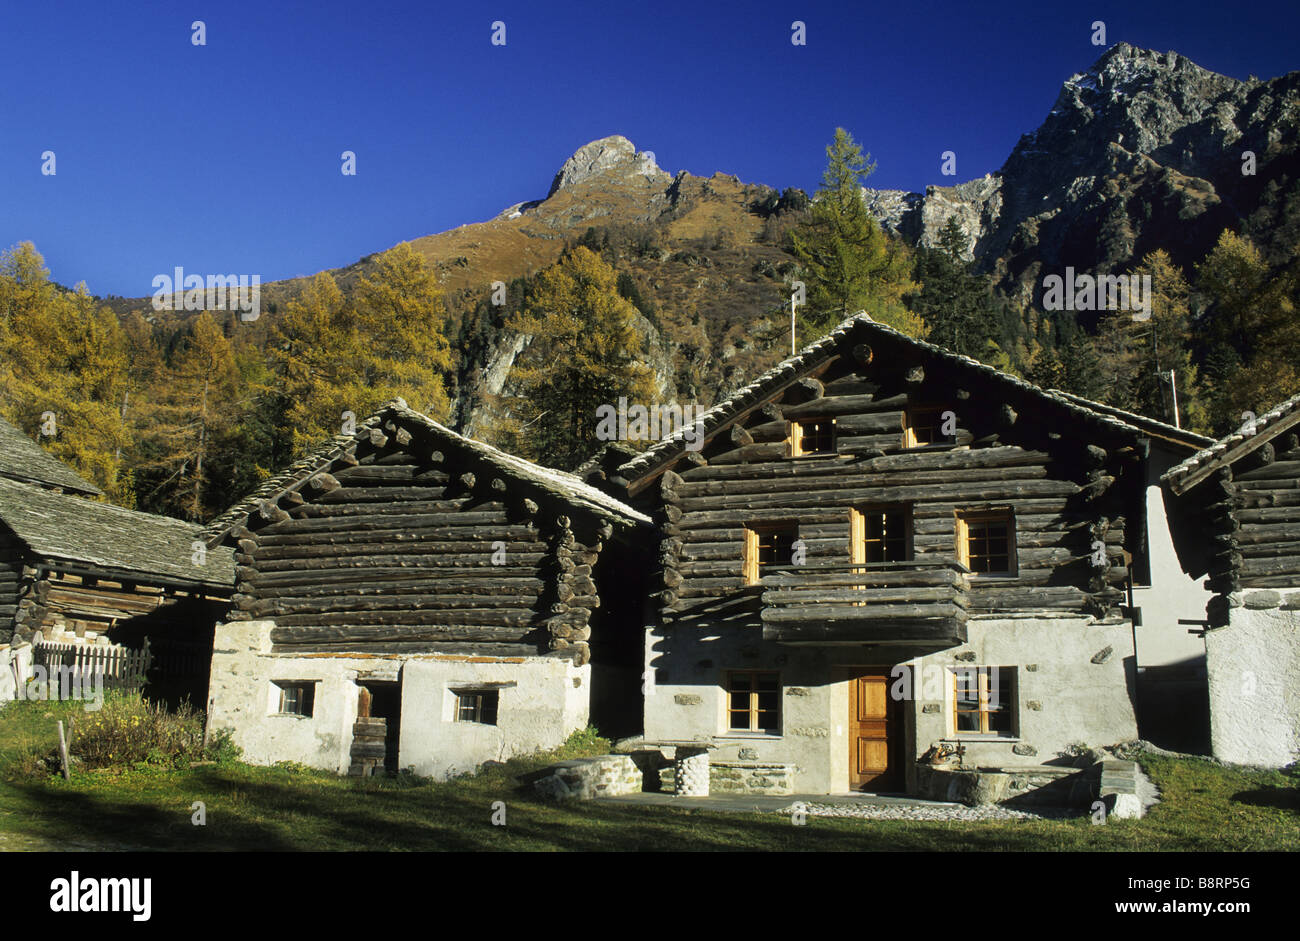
column 873, row 732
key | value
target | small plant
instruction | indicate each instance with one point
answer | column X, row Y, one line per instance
column 127, row 731
column 221, row 747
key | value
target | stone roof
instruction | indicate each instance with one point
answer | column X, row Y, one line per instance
column 60, row 527
column 21, row 458
column 861, row 328
column 1157, row 428
column 560, row 483
column 1227, row 449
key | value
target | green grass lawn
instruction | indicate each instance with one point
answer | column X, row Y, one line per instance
column 1205, row 807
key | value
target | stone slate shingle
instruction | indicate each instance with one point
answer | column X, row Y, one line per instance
column 60, row 527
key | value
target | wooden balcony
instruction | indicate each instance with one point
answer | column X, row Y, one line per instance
column 920, row 605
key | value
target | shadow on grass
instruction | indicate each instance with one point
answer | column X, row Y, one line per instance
column 1282, row 798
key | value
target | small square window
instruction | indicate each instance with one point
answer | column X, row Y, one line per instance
column 812, row 437
column 881, row 534
column 754, row 702
column 297, row 699
column 923, row 427
column 986, row 542
column 984, row 701
column 477, row 705
column 768, row 547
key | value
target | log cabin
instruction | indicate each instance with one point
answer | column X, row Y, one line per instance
column 76, row 570
column 409, row 598
column 1236, row 519
column 886, row 554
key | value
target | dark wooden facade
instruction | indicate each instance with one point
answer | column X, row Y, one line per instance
column 409, row 538
column 1237, row 509
column 1071, row 478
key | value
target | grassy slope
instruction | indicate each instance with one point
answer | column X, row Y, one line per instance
column 1206, row 807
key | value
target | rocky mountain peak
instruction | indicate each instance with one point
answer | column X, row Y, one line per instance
column 615, row 154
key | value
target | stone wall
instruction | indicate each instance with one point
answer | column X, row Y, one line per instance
column 542, row 700
column 585, row 778
column 1254, row 678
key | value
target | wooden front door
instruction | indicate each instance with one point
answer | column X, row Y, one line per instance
column 873, row 732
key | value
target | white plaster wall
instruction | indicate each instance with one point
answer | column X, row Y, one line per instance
column 1254, row 673
column 690, row 705
column 1172, row 594
column 1078, row 701
column 549, row 702
column 1081, row 702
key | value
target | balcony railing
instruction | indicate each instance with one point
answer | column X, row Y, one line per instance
column 916, row 604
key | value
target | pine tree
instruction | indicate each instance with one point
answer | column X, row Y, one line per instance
column 956, row 305
column 850, row 264
column 583, row 354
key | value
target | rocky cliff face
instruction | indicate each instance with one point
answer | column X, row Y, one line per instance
column 1142, row 151
column 611, row 157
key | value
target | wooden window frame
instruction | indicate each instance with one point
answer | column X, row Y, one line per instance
column 306, row 702
column 753, row 710
column 961, row 529
column 910, row 415
column 753, row 532
column 478, row 707
column 1007, row 696
column 858, row 530
column 797, row 437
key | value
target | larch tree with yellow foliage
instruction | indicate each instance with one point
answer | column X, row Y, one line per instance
column 583, row 354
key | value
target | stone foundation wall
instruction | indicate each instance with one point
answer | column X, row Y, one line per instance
column 585, row 778
column 734, row 777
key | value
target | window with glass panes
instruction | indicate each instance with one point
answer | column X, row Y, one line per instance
column 477, row 705
column 886, row 535
column 984, row 700
column 767, row 547
column 753, row 702
column 297, row 699
column 986, row 542
column 923, row 427
column 814, row 437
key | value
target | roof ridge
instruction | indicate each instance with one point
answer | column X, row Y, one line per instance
column 1218, row 448
column 799, row 361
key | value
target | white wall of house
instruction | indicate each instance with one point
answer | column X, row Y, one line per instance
column 547, row 702
column 1172, row 594
column 1062, row 698
column 1254, row 673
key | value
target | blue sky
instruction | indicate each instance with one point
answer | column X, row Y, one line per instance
column 225, row 158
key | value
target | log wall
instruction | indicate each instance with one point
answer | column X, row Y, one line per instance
column 405, row 545
column 1060, row 487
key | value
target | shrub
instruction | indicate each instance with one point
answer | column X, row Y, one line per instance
column 127, row 730
column 222, row 748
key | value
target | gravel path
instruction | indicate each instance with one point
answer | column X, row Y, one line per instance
column 958, row 812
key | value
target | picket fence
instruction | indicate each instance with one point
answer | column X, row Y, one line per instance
column 121, row 667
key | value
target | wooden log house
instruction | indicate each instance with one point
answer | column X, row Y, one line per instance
column 75, row 570
column 1236, row 521
column 883, row 550
column 407, row 597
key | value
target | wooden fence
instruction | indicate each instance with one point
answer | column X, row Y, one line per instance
column 120, row 667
